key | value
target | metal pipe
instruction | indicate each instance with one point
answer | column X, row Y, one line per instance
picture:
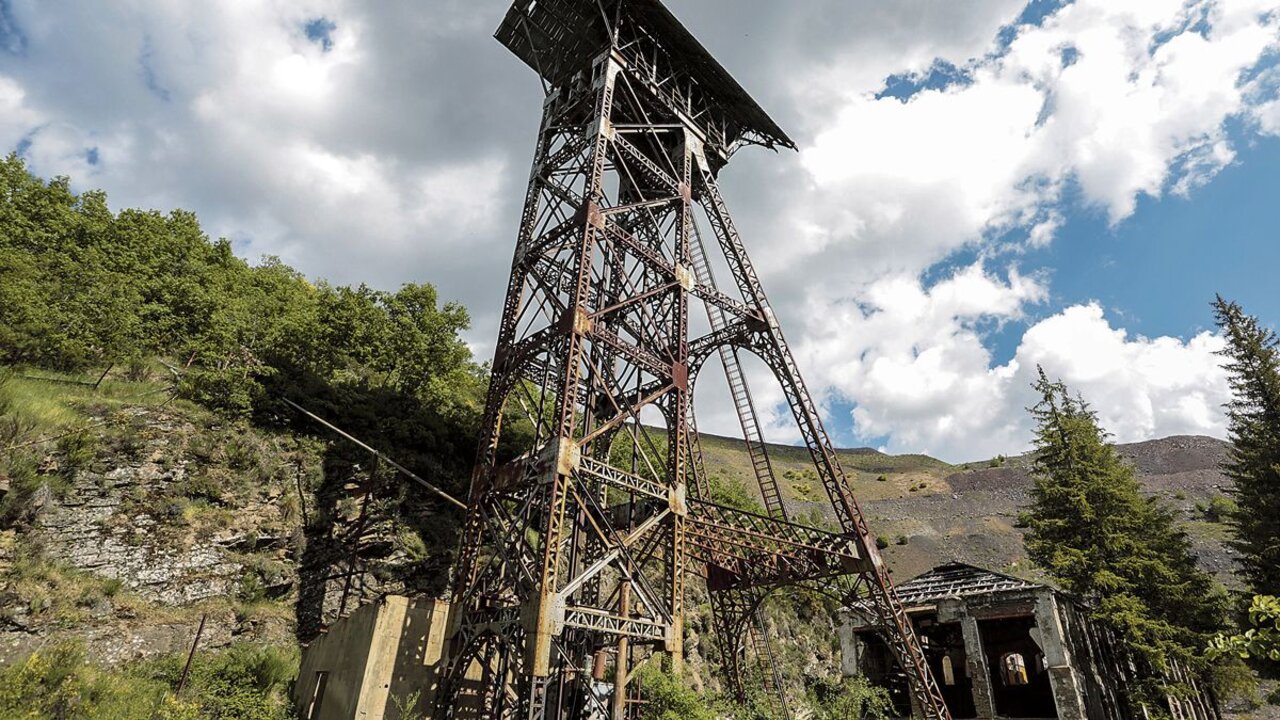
column 191, row 656
column 380, row 456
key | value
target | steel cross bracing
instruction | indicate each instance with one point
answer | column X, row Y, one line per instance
column 575, row 552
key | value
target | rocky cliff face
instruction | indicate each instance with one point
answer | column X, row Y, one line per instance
column 163, row 519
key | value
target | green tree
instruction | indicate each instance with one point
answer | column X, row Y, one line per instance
column 1253, row 461
column 1092, row 531
column 62, row 303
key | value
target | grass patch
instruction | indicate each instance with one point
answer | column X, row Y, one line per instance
column 54, row 402
column 40, row 404
column 1203, row 530
column 246, row 681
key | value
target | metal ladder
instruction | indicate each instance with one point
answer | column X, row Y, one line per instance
column 767, row 660
column 742, row 401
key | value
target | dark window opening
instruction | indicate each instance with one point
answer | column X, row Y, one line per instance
column 943, row 646
column 1019, row 681
column 317, row 695
column 877, row 663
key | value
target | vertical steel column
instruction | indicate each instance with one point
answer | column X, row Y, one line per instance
column 543, row 626
column 622, row 665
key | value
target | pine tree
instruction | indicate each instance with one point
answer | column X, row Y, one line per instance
column 1091, row 529
column 1253, row 463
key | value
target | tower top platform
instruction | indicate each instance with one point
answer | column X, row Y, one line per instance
column 561, row 38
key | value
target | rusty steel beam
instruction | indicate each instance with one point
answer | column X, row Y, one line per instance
column 579, row 549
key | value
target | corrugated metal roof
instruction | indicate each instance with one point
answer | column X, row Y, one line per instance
column 959, row 580
column 559, row 38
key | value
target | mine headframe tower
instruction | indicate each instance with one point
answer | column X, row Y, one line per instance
column 574, row 554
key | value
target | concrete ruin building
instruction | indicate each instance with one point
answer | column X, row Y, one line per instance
column 1004, row 647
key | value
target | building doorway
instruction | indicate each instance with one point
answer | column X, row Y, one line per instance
column 1019, row 677
column 943, row 645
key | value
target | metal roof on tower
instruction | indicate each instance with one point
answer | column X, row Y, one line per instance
column 560, row 38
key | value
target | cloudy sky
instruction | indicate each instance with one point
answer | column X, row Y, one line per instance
column 981, row 186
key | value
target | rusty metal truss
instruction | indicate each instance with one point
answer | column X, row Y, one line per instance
column 575, row 553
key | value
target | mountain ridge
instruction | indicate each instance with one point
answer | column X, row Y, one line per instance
column 929, row 511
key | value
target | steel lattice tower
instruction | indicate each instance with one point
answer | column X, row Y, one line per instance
column 574, row 555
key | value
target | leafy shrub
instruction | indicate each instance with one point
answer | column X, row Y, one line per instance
column 1220, row 509
column 1262, row 641
column 244, row 682
column 262, row 579
column 882, row 542
column 246, row 456
column 410, row 706
column 56, row 682
column 851, row 697
column 734, row 494
column 902, row 540
column 20, row 469
column 137, row 370
column 78, row 450
column 229, row 391
column 1232, row 681
column 112, row 587
column 126, row 438
column 201, row 486
column 668, row 697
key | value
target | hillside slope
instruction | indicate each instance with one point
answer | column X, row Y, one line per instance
column 124, row 534
column 155, row 513
column 931, row 512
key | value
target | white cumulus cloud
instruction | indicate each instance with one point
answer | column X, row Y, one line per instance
column 393, row 149
column 1103, row 102
column 915, row 362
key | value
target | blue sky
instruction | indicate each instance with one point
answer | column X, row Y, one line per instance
column 980, row 187
column 1159, row 269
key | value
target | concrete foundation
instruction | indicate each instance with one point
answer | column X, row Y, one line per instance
column 376, row 664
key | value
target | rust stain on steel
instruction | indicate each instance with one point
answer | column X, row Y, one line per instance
column 562, row 561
